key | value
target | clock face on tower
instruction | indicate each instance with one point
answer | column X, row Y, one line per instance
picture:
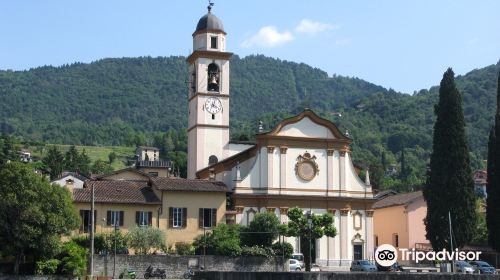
column 213, row 105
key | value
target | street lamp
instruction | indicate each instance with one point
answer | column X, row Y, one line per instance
column 309, row 223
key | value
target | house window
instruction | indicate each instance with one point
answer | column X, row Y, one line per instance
column 86, row 218
column 207, row 217
column 115, row 218
column 395, row 240
column 213, row 42
column 144, row 218
column 177, row 217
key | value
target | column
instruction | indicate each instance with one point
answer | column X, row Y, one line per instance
column 270, row 155
column 342, row 171
column 331, row 255
column 329, row 166
column 370, row 246
column 283, row 167
column 344, row 242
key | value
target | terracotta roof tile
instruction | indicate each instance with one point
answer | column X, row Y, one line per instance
column 134, row 192
column 398, row 199
column 192, row 185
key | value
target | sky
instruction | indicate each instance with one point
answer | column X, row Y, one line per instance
column 403, row 45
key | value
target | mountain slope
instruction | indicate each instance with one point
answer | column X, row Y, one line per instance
column 125, row 101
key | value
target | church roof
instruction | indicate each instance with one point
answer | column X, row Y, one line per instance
column 314, row 118
column 209, row 22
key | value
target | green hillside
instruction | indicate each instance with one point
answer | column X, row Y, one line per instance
column 128, row 101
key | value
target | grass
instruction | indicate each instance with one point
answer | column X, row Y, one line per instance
column 123, row 154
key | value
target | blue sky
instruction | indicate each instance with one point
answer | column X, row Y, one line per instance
column 404, row 45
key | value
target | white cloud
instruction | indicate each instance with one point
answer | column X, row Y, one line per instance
column 312, row 27
column 268, row 36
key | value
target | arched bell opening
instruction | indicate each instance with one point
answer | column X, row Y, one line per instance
column 213, row 77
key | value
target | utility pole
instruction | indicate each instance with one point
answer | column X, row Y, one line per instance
column 92, row 233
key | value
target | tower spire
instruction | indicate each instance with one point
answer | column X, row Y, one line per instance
column 210, row 5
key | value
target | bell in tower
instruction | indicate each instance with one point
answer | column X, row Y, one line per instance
column 213, row 77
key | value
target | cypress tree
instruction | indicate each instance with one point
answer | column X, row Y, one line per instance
column 450, row 187
column 493, row 186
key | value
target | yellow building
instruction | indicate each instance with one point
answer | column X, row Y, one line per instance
column 182, row 208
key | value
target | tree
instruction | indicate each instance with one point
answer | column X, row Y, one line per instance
column 33, row 213
column 263, row 230
column 100, row 167
column 71, row 159
column 54, row 161
column 298, row 226
column 223, row 240
column 111, row 157
column 449, row 187
column 144, row 239
column 493, row 185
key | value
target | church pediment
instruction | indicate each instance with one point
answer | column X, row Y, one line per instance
column 307, row 125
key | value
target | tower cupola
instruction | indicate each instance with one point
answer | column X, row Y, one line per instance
column 209, row 34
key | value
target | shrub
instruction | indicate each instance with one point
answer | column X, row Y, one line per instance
column 100, row 242
column 228, row 247
column 73, row 259
column 47, row 267
column 183, row 248
column 143, row 239
column 257, row 251
column 220, row 241
column 284, row 249
column 261, row 231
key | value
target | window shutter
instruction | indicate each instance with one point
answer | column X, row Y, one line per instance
column 121, row 218
column 108, row 218
column 170, row 217
column 214, row 217
column 184, row 217
column 137, row 218
column 83, row 219
column 200, row 219
column 150, row 218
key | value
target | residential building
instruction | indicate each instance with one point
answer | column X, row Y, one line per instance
column 182, row 208
column 399, row 220
column 70, row 180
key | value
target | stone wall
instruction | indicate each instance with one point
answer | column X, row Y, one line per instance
column 30, row 277
column 216, row 275
column 177, row 265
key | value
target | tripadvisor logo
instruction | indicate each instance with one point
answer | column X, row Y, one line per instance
column 387, row 255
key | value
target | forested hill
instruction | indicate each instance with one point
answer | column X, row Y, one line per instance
column 106, row 101
column 128, row 100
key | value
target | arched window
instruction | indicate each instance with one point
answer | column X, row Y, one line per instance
column 213, row 77
column 212, row 160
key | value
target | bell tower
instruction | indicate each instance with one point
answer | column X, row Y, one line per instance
column 208, row 98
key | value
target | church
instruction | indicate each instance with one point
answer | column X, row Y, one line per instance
column 305, row 161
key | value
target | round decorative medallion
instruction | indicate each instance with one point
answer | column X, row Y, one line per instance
column 306, row 167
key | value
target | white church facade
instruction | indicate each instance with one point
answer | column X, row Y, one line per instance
column 305, row 161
